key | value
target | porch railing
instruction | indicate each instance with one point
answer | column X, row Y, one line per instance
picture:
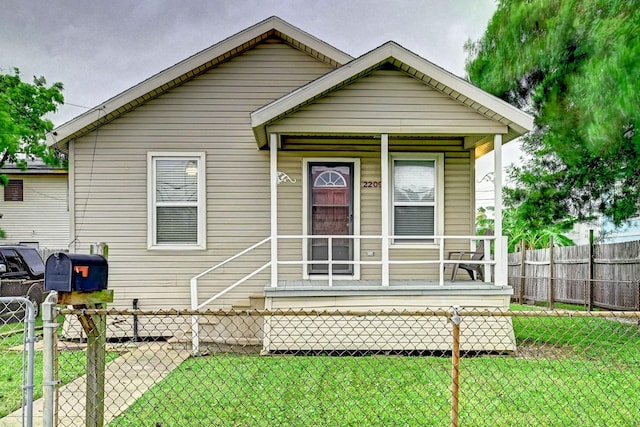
column 438, row 241
column 442, row 260
column 384, row 262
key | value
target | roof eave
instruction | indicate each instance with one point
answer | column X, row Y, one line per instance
column 61, row 135
column 519, row 121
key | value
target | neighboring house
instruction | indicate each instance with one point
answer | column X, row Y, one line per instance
column 628, row 231
column 580, row 232
column 604, row 231
column 34, row 206
column 273, row 135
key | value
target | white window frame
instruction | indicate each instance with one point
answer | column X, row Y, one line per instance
column 438, row 159
column 200, row 158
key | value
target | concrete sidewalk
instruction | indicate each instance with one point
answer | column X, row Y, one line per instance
column 126, row 379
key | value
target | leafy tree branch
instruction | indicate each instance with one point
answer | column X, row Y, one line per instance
column 573, row 64
column 23, row 126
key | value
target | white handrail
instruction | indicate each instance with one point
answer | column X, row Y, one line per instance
column 441, row 261
column 195, row 327
column 228, row 288
column 194, row 279
column 238, row 255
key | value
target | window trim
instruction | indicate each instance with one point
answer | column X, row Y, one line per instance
column 438, row 159
column 200, row 157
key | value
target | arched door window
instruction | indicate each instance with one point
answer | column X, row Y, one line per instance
column 330, row 178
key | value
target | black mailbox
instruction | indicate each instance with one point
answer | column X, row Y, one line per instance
column 75, row 272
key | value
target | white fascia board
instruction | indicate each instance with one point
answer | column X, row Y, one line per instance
column 59, row 134
column 522, row 122
column 318, row 86
column 308, row 40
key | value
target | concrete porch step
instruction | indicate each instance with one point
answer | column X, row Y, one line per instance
column 254, row 302
column 221, row 332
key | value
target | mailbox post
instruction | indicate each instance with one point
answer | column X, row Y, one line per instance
column 81, row 281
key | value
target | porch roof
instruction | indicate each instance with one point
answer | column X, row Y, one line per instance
column 516, row 122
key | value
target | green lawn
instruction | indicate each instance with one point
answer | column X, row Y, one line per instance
column 72, row 364
column 567, row 372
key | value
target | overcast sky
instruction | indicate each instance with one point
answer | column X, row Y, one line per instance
column 100, row 48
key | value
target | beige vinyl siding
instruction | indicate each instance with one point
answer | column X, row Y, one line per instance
column 370, row 218
column 209, row 114
column 290, row 215
column 42, row 216
column 387, row 101
column 458, row 220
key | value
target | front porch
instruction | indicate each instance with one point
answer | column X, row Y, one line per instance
column 409, row 286
column 371, row 174
column 387, row 291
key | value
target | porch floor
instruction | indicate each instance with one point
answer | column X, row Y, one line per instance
column 319, row 287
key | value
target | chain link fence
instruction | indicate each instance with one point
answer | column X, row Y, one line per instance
column 430, row 368
column 17, row 359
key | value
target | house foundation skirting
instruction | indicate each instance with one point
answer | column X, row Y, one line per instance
column 388, row 332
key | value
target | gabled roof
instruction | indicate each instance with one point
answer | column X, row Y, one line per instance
column 517, row 121
column 192, row 67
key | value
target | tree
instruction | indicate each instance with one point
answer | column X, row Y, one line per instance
column 516, row 229
column 23, row 125
column 575, row 65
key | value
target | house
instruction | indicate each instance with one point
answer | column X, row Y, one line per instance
column 213, row 180
column 34, row 209
column 605, row 231
column 628, row 231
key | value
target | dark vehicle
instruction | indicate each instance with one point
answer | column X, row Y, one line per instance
column 22, row 274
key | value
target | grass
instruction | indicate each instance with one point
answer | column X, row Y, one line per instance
column 72, row 364
column 230, row 390
column 568, row 371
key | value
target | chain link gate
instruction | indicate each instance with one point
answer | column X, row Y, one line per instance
column 17, row 346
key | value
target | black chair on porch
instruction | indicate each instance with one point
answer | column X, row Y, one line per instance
column 477, row 255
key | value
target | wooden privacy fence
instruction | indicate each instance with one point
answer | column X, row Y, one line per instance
column 594, row 275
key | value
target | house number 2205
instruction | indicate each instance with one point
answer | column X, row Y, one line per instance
column 372, row 184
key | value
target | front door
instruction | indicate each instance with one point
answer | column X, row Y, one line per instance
column 331, row 214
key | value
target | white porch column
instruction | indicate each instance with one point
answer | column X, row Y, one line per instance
column 500, row 247
column 273, row 178
column 384, row 206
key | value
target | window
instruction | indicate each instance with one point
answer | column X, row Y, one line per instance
column 330, row 178
column 13, row 191
column 14, row 263
column 414, row 198
column 176, row 200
